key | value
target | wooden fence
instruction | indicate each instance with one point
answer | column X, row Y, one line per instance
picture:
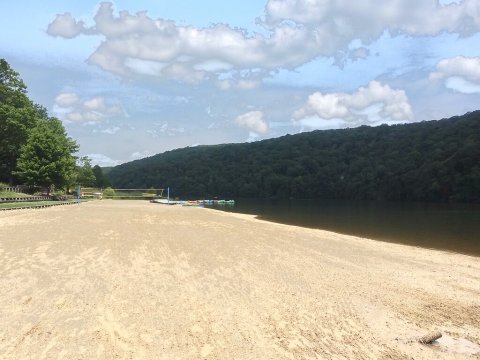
column 23, row 189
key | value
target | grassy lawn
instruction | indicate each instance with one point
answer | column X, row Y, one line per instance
column 20, row 205
column 11, row 194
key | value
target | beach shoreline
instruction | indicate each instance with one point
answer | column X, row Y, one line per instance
column 436, row 228
column 130, row 279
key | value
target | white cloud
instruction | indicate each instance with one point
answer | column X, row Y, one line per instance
column 318, row 123
column 111, row 130
column 296, row 31
column 152, row 133
column 224, row 84
column 89, row 117
column 461, row 85
column 140, row 154
column 66, row 100
column 252, row 136
column 145, row 67
column 446, row 2
column 97, row 103
column 92, row 110
column 102, row 160
column 164, row 129
column 66, row 26
column 253, row 120
column 360, row 53
column 367, row 19
column 467, row 68
column 248, row 84
column 183, row 73
column 372, row 104
column 461, row 74
column 90, row 123
column 213, row 66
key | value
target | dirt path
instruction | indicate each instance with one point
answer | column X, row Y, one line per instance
column 134, row 280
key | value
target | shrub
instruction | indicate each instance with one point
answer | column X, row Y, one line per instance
column 108, row 192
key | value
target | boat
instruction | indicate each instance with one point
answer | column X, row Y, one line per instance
column 166, row 202
column 192, row 202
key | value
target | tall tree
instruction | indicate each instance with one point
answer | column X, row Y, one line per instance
column 101, row 180
column 12, row 87
column 47, row 157
column 85, row 175
column 17, row 116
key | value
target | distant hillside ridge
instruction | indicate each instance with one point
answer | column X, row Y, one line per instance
column 425, row 161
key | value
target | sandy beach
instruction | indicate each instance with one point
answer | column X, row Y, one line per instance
column 134, row 280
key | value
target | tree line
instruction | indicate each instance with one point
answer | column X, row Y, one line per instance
column 34, row 147
column 425, row 161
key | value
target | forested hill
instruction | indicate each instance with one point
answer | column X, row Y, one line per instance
column 426, row 161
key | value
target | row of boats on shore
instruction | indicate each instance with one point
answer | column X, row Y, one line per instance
column 192, row 202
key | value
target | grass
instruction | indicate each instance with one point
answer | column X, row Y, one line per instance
column 90, row 189
column 11, row 194
column 22, row 205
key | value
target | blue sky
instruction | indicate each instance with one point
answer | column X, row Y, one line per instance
column 131, row 79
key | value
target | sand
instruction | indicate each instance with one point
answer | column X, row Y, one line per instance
column 134, row 280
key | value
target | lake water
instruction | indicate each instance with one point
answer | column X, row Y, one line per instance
column 452, row 227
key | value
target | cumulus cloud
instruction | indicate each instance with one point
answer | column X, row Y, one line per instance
column 368, row 19
column 296, row 31
column 461, row 85
column 252, row 136
column 460, row 73
column 84, row 117
column 96, row 103
column 253, row 120
column 140, row 154
column 71, row 108
column 372, row 104
column 67, row 27
column 66, row 100
column 360, row 53
column 102, row 160
column 464, row 67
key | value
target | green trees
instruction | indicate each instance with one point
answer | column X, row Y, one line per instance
column 46, row 158
column 427, row 161
column 17, row 116
column 85, row 175
column 101, row 180
column 34, row 148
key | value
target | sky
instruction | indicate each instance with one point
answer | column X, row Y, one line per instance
column 131, row 79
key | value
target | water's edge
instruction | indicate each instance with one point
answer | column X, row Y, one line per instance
column 447, row 227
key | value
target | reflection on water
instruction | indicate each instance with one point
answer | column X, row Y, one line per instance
column 453, row 227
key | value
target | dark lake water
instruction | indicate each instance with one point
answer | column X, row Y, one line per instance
column 452, row 227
